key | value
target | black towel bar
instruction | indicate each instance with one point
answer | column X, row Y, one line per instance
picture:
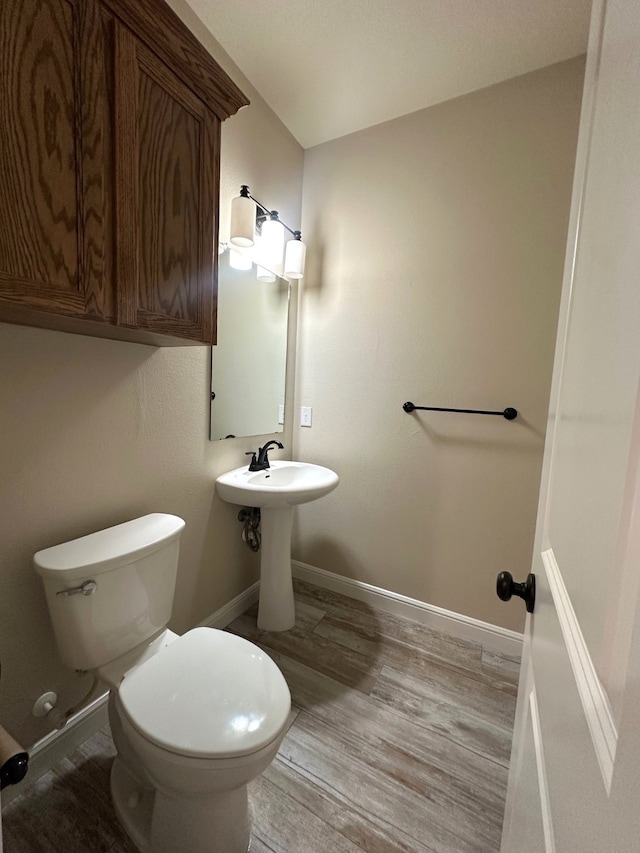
column 510, row 414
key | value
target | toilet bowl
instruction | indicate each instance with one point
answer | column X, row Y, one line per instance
column 195, row 723
column 194, row 718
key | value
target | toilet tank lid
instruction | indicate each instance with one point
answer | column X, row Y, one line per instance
column 107, row 549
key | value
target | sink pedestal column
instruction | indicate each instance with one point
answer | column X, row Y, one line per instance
column 276, row 610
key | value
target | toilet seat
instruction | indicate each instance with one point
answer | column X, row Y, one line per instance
column 209, row 694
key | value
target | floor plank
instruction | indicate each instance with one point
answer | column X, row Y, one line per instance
column 472, row 727
column 381, row 735
column 345, row 665
column 285, row 824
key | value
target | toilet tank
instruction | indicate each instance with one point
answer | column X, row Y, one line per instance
column 133, row 566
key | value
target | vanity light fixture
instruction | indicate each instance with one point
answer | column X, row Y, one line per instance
column 249, row 216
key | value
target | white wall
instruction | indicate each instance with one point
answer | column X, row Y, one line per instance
column 95, row 432
column 434, row 276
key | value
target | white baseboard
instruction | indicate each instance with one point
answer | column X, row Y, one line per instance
column 55, row 746
column 236, row 607
column 489, row 636
column 52, row 748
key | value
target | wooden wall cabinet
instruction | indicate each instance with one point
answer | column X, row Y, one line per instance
column 110, row 115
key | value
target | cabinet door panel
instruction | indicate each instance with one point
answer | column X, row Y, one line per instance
column 51, row 119
column 167, row 155
column 169, row 194
column 38, row 236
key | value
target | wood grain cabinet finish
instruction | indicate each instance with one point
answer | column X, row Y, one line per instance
column 51, row 159
column 110, row 114
column 167, row 161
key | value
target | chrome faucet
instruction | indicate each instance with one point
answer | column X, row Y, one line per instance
column 261, row 463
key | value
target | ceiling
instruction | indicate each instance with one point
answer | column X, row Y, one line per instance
column 332, row 67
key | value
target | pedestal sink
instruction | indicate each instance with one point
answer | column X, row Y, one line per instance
column 276, row 491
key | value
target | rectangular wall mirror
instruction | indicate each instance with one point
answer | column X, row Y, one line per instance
column 248, row 364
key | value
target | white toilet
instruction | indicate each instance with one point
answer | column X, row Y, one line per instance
column 194, row 718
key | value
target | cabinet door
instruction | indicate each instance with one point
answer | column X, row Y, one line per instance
column 52, row 112
column 167, row 170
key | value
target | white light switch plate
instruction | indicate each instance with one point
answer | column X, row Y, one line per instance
column 305, row 416
column 280, row 414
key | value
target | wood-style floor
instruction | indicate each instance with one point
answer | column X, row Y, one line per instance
column 399, row 741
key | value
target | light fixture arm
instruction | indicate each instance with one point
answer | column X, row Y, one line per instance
column 270, row 214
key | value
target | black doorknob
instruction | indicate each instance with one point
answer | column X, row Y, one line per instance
column 506, row 587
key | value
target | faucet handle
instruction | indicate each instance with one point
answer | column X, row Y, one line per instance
column 254, row 465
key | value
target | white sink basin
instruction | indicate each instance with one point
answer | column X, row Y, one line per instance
column 283, row 484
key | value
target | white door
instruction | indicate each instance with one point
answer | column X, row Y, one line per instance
column 574, row 784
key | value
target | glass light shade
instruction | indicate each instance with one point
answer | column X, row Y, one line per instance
column 265, row 275
column 243, row 221
column 239, row 260
column 294, row 259
column 272, row 243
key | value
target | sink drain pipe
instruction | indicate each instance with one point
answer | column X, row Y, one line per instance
column 250, row 517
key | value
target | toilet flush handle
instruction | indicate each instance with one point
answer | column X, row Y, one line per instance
column 87, row 588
